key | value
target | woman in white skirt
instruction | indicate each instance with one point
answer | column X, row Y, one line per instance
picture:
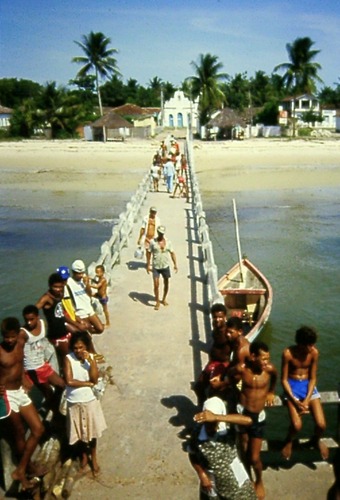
column 85, row 419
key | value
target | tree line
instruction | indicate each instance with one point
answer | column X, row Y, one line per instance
column 99, row 84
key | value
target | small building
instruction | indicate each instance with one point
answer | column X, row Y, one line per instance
column 179, row 112
column 5, row 117
column 112, row 125
column 144, row 119
column 226, row 124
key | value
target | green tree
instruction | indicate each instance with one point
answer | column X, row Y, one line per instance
column 301, row 73
column 98, row 58
column 206, row 85
column 236, row 91
column 14, row 92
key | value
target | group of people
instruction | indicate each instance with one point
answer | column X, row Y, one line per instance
column 170, row 164
column 56, row 355
column 233, row 390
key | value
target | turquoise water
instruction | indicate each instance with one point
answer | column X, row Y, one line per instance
column 293, row 236
column 42, row 231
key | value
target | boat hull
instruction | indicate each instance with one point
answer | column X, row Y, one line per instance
column 248, row 295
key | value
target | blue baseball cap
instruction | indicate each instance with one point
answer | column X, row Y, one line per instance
column 63, row 272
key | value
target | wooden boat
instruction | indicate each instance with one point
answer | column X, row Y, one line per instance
column 247, row 293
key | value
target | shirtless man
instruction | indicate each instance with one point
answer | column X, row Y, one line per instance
column 22, row 409
column 258, row 378
column 298, row 377
column 148, row 231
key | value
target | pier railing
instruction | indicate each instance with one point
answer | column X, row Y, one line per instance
column 110, row 250
column 210, row 267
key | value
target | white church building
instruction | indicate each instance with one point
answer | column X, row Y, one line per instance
column 179, row 111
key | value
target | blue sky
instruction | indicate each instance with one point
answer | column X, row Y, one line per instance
column 161, row 38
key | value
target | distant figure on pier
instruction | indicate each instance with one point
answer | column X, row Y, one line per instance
column 298, row 377
column 155, row 172
column 159, row 251
column 169, row 172
column 148, row 230
column 99, row 283
column 79, row 288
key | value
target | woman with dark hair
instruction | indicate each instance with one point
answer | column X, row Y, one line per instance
column 85, row 419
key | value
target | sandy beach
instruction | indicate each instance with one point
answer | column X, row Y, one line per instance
column 81, row 166
column 67, row 166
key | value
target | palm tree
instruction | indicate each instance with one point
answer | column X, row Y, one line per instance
column 98, row 58
column 301, row 73
column 205, row 85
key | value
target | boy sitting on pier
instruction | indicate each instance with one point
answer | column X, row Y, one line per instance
column 298, row 377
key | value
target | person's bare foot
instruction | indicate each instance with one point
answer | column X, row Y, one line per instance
column 324, row 451
column 26, row 484
column 165, row 303
column 286, row 451
column 156, row 306
column 259, row 490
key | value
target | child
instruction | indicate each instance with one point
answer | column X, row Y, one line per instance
column 22, row 408
column 86, row 421
column 298, row 377
column 258, row 378
column 36, row 365
column 100, row 284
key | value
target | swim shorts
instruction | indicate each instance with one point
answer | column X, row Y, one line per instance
column 65, row 338
column 300, row 389
column 40, row 375
column 256, row 429
column 156, row 273
column 103, row 300
column 18, row 398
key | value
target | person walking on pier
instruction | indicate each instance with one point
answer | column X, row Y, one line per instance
column 148, row 230
column 160, row 249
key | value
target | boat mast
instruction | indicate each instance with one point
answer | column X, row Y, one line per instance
column 238, row 240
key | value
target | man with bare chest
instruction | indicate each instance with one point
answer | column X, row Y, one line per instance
column 258, row 377
column 298, row 377
column 22, row 409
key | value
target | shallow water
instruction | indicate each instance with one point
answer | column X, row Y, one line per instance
column 293, row 236
column 35, row 241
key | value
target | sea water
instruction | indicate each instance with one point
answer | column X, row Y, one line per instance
column 40, row 231
column 292, row 236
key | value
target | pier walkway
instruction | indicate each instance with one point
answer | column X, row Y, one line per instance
column 155, row 356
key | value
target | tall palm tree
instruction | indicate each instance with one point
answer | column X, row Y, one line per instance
column 301, row 73
column 205, row 85
column 98, row 58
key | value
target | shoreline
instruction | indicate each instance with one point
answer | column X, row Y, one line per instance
column 254, row 164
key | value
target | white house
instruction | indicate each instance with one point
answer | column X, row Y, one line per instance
column 5, row 116
column 179, row 111
column 295, row 107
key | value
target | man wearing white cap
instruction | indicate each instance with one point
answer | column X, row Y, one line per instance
column 148, row 231
column 213, row 454
column 160, row 249
column 79, row 288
